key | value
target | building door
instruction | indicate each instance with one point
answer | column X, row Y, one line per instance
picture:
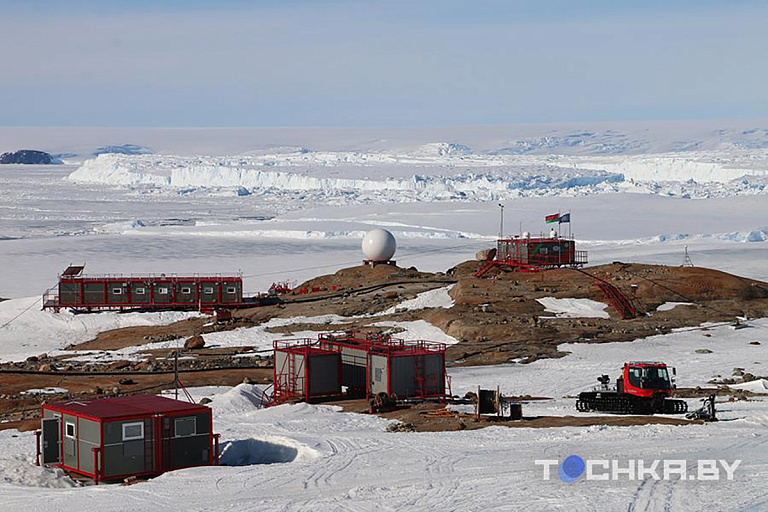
column 51, row 439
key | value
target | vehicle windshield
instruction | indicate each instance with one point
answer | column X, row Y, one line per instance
column 649, row 378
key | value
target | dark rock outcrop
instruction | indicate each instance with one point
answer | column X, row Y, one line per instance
column 27, row 156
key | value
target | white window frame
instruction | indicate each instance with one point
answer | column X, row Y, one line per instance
column 543, row 251
column 186, row 290
column 231, row 289
column 133, row 424
column 208, row 290
column 66, row 430
column 186, row 418
column 141, row 291
column 117, row 291
column 162, row 290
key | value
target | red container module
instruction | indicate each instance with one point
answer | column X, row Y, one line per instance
column 304, row 370
column 115, row 438
column 205, row 293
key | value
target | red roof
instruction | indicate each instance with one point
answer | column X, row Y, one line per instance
column 136, row 405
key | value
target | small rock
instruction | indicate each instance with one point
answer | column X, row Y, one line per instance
column 97, row 390
column 119, row 365
column 401, row 427
column 754, row 342
column 703, row 351
column 194, row 343
column 32, row 359
column 45, row 368
column 126, row 381
column 248, row 380
column 205, row 401
column 115, row 390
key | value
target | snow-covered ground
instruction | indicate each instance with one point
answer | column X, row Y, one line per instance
column 306, row 457
column 29, row 331
column 574, row 308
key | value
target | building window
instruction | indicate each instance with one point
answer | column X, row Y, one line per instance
column 231, row 289
column 566, row 245
column 140, row 291
column 543, row 250
column 117, row 291
column 378, row 374
column 185, row 427
column 162, row 291
column 208, row 291
column 133, row 431
column 69, row 430
column 556, row 248
column 186, row 290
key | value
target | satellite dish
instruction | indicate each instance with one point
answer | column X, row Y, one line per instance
column 379, row 245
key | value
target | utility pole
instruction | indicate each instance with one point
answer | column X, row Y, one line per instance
column 501, row 222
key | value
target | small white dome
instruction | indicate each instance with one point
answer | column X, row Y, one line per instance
column 379, row 245
column 526, row 234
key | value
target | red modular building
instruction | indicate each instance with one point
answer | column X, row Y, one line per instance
column 366, row 365
column 154, row 292
column 303, row 369
column 115, row 438
column 533, row 254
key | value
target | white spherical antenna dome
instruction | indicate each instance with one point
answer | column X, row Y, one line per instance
column 379, row 245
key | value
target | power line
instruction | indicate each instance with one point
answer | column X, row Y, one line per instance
column 6, row 324
column 407, row 256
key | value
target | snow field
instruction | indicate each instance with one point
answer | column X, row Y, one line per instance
column 34, row 331
column 574, row 308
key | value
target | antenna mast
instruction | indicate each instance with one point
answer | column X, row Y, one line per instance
column 501, row 221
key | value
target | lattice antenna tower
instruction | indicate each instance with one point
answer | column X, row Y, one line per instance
column 687, row 261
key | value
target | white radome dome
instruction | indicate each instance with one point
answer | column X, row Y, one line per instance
column 379, row 245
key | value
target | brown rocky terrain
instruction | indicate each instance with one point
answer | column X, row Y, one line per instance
column 496, row 318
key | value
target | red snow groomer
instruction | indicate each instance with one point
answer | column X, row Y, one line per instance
column 643, row 388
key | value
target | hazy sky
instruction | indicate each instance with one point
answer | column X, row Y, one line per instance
column 283, row 63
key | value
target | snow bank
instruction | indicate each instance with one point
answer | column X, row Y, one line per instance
column 242, row 398
column 20, row 471
column 438, row 298
column 574, row 308
column 669, row 306
column 755, row 386
column 35, row 331
column 270, row 450
column 419, row 330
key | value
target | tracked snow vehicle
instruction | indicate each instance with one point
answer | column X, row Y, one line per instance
column 644, row 388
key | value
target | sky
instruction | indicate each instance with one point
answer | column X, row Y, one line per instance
column 379, row 63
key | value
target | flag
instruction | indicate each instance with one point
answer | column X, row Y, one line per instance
column 552, row 218
column 565, row 218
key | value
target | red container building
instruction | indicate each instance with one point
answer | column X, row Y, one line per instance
column 365, row 364
column 115, row 438
column 528, row 254
column 154, row 292
column 304, row 370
